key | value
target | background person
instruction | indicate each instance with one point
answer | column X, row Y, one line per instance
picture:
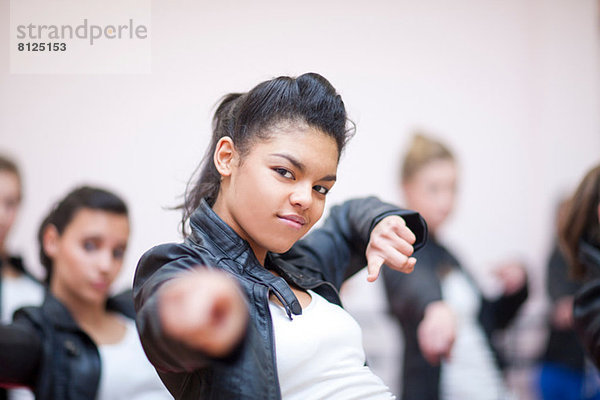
column 447, row 323
column 80, row 344
column 562, row 374
column 18, row 287
column 579, row 236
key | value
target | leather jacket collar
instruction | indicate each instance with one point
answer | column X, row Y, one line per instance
column 210, row 231
column 60, row 316
column 205, row 223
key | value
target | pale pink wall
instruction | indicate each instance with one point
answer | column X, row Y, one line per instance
column 512, row 86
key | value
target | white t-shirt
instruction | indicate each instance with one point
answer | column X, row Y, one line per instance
column 126, row 372
column 471, row 372
column 19, row 292
column 320, row 355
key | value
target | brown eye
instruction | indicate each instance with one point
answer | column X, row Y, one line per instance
column 321, row 189
column 284, row 172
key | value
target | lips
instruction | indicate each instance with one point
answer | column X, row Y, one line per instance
column 293, row 220
column 100, row 285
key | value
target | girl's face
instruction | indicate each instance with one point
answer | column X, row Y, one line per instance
column 87, row 256
column 277, row 192
column 432, row 191
column 10, row 196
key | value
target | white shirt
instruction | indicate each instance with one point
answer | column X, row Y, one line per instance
column 126, row 372
column 320, row 355
column 19, row 292
column 471, row 372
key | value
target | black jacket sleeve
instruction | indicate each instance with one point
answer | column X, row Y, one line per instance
column 409, row 295
column 156, row 267
column 586, row 315
column 20, row 354
column 336, row 250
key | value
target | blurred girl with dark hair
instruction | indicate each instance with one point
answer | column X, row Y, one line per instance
column 80, row 344
column 579, row 235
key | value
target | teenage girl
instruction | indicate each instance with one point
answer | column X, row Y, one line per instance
column 579, row 234
column 447, row 323
column 80, row 344
column 244, row 310
column 18, row 287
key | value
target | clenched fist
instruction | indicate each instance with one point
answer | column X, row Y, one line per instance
column 204, row 309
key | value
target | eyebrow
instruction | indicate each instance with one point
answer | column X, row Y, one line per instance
column 300, row 166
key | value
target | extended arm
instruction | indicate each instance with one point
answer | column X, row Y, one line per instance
column 337, row 250
column 20, row 354
column 186, row 314
column 416, row 301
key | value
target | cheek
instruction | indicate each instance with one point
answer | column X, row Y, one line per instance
column 72, row 261
column 117, row 266
column 12, row 215
column 317, row 209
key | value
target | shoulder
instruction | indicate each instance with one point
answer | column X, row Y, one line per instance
column 122, row 303
column 165, row 252
column 166, row 261
column 31, row 319
column 177, row 255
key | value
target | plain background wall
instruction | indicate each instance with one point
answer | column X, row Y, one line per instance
column 512, row 86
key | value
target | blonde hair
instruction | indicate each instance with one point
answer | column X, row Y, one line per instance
column 422, row 151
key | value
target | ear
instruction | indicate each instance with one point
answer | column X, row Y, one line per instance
column 50, row 241
column 225, row 156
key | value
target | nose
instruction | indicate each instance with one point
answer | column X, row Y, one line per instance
column 301, row 196
column 105, row 261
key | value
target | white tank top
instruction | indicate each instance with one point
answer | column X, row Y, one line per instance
column 470, row 372
column 19, row 292
column 320, row 355
column 126, row 372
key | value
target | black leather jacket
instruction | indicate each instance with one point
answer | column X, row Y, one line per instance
column 17, row 263
column 320, row 262
column 586, row 307
column 409, row 296
column 46, row 350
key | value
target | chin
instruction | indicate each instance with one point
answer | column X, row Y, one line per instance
column 281, row 247
column 97, row 298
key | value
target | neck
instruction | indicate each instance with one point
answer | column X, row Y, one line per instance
column 220, row 209
column 260, row 256
column 85, row 313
